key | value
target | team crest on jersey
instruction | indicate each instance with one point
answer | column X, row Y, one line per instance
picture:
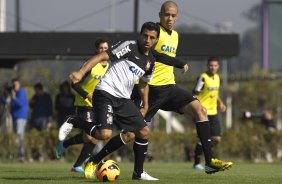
column 148, row 65
column 109, row 119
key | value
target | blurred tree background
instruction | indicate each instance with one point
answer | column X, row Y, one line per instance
column 248, row 85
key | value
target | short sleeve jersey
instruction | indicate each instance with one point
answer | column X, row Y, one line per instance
column 128, row 65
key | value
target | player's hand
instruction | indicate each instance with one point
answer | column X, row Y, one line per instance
column 13, row 94
column 185, row 68
column 222, row 107
column 89, row 97
column 75, row 77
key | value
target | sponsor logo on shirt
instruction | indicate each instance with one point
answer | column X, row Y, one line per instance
column 122, row 52
column 213, row 88
column 167, row 48
column 97, row 77
column 136, row 71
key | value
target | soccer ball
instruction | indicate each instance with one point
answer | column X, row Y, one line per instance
column 107, row 170
column 89, row 170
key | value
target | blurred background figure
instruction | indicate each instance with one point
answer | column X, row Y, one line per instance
column 41, row 116
column 19, row 111
column 263, row 113
column 64, row 103
column 266, row 118
column 6, row 121
column 41, row 106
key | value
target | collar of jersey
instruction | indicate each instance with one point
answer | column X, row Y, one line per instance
column 167, row 30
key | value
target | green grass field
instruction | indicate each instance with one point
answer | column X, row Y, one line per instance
column 168, row 173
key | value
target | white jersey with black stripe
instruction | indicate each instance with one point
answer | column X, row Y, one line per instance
column 128, row 65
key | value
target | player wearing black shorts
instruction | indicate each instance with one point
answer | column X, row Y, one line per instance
column 84, row 110
column 165, row 95
column 130, row 61
column 207, row 91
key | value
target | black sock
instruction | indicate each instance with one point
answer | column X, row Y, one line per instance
column 114, row 144
column 203, row 131
column 88, row 127
column 84, row 154
column 140, row 148
column 77, row 139
column 198, row 153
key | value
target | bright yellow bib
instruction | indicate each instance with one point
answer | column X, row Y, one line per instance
column 209, row 95
column 167, row 44
column 90, row 82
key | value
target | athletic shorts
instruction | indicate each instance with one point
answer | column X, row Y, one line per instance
column 85, row 113
column 167, row 98
column 127, row 114
column 214, row 125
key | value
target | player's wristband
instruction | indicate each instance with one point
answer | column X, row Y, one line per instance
column 79, row 90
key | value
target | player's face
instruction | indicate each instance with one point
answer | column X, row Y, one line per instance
column 148, row 39
column 103, row 47
column 213, row 67
column 168, row 17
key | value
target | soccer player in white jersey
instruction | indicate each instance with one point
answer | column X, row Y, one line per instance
column 131, row 61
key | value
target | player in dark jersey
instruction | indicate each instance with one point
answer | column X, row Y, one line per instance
column 130, row 61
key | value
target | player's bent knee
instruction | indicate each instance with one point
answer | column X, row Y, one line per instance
column 196, row 110
column 92, row 140
column 104, row 134
column 87, row 138
column 143, row 133
column 200, row 113
column 128, row 136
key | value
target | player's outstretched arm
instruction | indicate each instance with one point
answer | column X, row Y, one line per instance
column 171, row 61
column 76, row 76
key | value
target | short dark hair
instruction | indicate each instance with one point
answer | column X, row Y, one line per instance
column 101, row 40
column 38, row 85
column 152, row 27
column 65, row 84
column 15, row 79
column 213, row 58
